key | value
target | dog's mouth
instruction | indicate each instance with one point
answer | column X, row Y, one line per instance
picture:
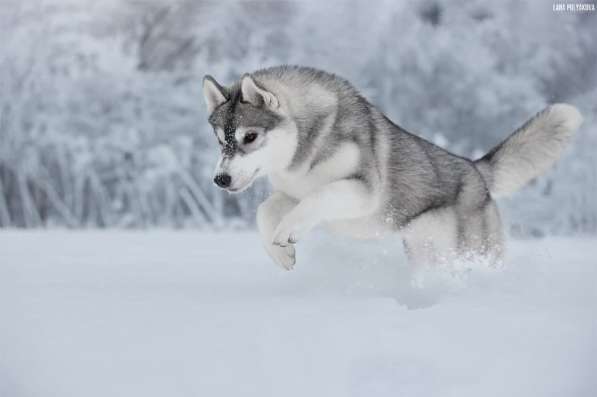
column 244, row 185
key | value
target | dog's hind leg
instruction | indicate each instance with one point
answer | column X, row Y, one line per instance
column 480, row 234
column 269, row 215
column 431, row 238
column 495, row 234
column 419, row 251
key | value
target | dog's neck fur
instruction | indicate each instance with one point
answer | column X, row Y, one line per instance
column 291, row 148
column 301, row 101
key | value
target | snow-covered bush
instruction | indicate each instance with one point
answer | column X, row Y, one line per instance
column 102, row 123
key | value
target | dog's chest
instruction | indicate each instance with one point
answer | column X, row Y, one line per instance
column 296, row 185
column 308, row 177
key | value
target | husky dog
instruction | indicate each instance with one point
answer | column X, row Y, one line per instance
column 333, row 159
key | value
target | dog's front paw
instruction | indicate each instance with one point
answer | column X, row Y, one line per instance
column 283, row 256
column 286, row 234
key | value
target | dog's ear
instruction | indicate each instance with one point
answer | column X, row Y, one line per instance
column 214, row 94
column 256, row 95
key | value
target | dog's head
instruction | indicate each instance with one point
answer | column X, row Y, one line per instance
column 242, row 116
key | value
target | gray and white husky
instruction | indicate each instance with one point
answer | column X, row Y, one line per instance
column 333, row 159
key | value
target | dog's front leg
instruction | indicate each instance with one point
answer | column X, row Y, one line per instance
column 343, row 199
column 269, row 214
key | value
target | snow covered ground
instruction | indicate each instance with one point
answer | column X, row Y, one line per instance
column 169, row 313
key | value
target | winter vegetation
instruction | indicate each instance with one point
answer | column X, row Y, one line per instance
column 102, row 122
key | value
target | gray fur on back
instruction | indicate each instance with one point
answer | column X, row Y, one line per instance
column 424, row 177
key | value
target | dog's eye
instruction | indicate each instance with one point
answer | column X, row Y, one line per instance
column 249, row 137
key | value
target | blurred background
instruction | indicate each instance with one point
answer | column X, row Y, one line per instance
column 102, row 121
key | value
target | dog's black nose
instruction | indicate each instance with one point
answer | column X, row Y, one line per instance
column 223, row 180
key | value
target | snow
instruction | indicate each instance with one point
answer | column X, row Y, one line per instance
column 167, row 313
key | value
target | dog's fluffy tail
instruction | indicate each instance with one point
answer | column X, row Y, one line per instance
column 529, row 151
